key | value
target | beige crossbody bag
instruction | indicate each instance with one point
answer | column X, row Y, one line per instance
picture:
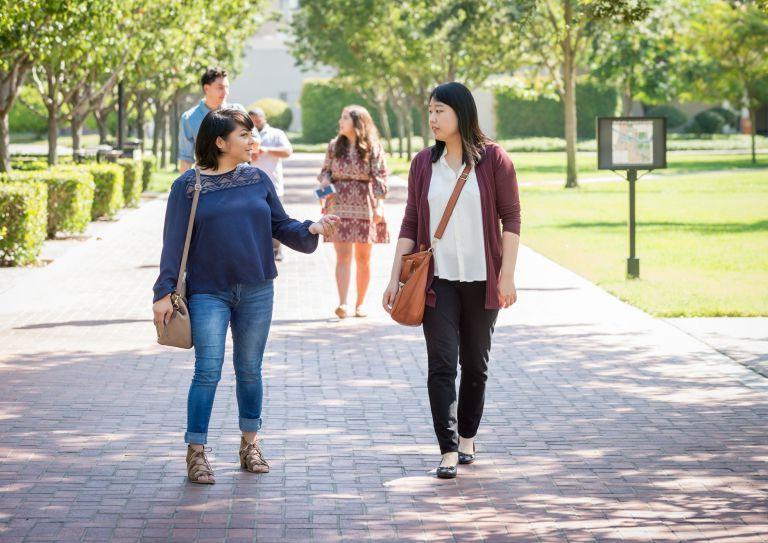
column 178, row 331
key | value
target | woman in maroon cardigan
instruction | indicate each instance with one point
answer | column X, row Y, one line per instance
column 472, row 274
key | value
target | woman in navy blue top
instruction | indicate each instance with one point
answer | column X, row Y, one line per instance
column 229, row 276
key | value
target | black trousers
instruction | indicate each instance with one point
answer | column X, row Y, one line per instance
column 458, row 331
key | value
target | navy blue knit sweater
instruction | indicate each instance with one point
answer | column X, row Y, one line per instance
column 237, row 216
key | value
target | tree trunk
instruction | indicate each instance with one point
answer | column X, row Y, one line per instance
column 408, row 133
column 173, row 125
column 10, row 84
column 569, row 99
column 77, row 132
column 53, row 133
column 400, row 131
column 140, row 119
column 163, row 140
column 5, row 144
column 425, row 130
column 381, row 103
column 101, row 121
column 753, row 122
column 570, row 131
column 156, row 132
column 626, row 104
column 75, row 121
column 103, row 130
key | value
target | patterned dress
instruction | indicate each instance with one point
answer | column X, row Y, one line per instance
column 358, row 184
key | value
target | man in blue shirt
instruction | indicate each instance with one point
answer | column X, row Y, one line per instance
column 216, row 89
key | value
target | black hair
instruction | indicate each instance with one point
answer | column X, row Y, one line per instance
column 211, row 75
column 473, row 140
column 218, row 123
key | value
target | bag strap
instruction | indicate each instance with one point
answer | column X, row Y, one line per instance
column 460, row 182
column 195, row 198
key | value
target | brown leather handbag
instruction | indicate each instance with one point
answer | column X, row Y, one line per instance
column 178, row 331
column 411, row 298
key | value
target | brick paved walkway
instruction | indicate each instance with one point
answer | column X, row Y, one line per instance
column 601, row 423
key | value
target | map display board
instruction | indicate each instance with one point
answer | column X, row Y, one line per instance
column 631, row 143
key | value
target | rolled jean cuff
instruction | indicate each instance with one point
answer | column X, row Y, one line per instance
column 195, row 439
column 250, row 425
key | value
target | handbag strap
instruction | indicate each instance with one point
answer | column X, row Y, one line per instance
column 195, row 198
column 460, row 182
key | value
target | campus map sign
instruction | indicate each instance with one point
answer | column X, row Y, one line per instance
column 631, row 144
column 625, row 143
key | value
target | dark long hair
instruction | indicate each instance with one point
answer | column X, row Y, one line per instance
column 218, row 123
column 367, row 136
column 473, row 140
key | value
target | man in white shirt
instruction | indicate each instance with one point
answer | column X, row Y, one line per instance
column 269, row 157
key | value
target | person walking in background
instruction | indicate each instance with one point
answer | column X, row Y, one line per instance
column 215, row 84
column 355, row 165
column 274, row 147
column 469, row 281
column 229, row 276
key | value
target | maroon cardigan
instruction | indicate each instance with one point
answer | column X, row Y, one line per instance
column 499, row 202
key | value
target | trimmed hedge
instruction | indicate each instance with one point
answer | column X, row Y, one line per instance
column 278, row 112
column 321, row 103
column 63, row 160
column 26, row 164
column 730, row 117
column 544, row 117
column 707, row 122
column 148, row 167
column 70, row 196
column 675, row 117
column 108, row 198
column 132, row 188
column 23, row 219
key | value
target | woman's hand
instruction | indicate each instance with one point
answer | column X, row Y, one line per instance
column 390, row 294
column 325, row 226
column 163, row 309
column 506, row 290
column 325, row 181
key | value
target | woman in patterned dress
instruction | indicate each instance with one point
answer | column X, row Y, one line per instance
column 355, row 165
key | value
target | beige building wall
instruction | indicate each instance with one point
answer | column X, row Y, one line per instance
column 486, row 111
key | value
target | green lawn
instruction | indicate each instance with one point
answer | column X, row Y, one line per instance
column 675, row 142
column 702, row 240
column 548, row 166
column 162, row 180
column 87, row 140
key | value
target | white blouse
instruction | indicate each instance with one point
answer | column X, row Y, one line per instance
column 460, row 254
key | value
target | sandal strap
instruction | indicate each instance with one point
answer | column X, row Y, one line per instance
column 198, row 465
column 253, row 455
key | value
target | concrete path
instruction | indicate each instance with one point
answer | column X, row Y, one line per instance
column 743, row 339
column 601, row 423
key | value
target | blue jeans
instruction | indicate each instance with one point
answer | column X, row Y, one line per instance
column 248, row 308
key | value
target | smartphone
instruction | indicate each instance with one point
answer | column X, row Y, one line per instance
column 324, row 192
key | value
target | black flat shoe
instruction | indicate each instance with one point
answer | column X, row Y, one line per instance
column 447, row 472
column 467, row 458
